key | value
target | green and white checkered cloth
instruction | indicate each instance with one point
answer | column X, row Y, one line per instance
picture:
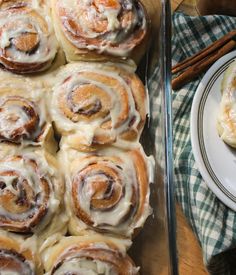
column 213, row 223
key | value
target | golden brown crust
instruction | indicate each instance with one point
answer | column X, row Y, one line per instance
column 107, row 191
column 24, row 118
column 101, row 30
column 30, row 190
column 16, row 259
column 88, row 254
column 25, row 130
column 22, row 202
column 98, row 104
column 27, row 42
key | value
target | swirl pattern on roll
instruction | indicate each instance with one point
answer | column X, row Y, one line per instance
column 76, row 255
column 109, row 192
column 111, row 27
column 14, row 259
column 30, row 191
column 18, row 119
column 96, row 104
column 23, row 115
column 27, row 41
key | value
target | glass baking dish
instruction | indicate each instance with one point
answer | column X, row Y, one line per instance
column 154, row 249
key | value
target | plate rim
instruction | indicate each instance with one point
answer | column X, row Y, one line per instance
column 220, row 192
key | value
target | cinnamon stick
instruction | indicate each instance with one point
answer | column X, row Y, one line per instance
column 203, row 53
column 194, row 71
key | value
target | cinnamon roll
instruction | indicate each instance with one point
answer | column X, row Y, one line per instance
column 88, row 255
column 30, row 190
column 100, row 29
column 226, row 124
column 17, row 258
column 107, row 191
column 27, row 40
column 24, row 117
column 98, row 104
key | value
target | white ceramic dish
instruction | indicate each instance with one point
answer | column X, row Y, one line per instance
column 216, row 160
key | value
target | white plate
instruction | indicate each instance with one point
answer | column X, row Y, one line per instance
column 216, row 160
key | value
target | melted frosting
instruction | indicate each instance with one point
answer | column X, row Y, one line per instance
column 23, row 112
column 16, row 256
column 112, row 101
column 33, row 187
column 107, row 193
column 114, row 27
column 27, row 38
column 85, row 266
column 88, row 255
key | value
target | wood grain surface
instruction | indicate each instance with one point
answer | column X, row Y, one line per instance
column 189, row 251
column 175, row 4
column 187, row 6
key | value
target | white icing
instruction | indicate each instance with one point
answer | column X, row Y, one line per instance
column 6, row 123
column 25, row 266
column 116, row 34
column 49, row 242
column 107, row 256
column 111, row 219
column 26, row 172
column 26, row 22
column 29, row 244
column 84, row 266
column 17, row 91
column 113, row 22
column 89, row 129
column 9, row 272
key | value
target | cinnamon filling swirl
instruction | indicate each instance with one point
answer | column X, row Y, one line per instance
column 110, row 194
column 99, row 105
column 11, row 262
column 19, row 119
column 93, row 258
column 27, row 43
column 13, row 4
column 24, row 194
column 105, row 26
column 104, row 185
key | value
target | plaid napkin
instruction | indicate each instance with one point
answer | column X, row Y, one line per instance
column 213, row 223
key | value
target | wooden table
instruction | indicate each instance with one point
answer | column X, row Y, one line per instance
column 186, row 6
column 190, row 254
